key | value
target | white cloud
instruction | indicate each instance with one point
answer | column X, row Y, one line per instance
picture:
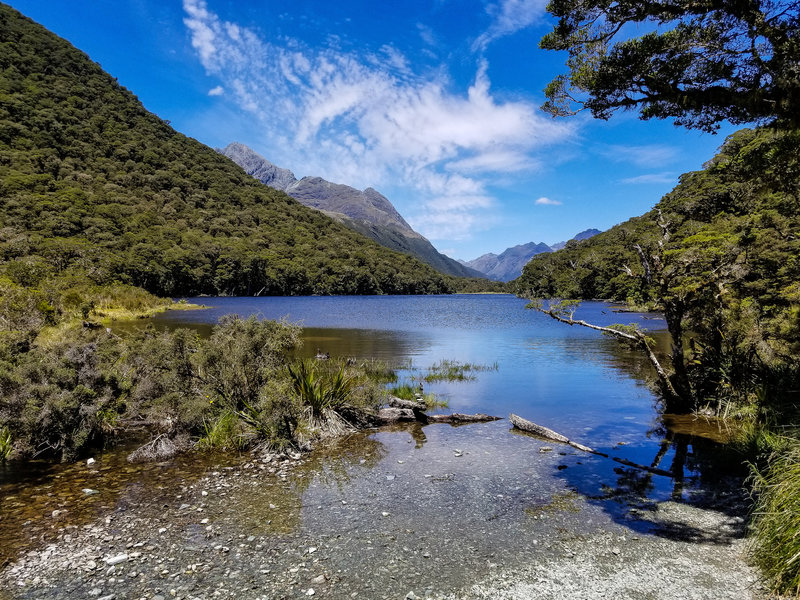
column 373, row 122
column 543, row 201
column 642, row 156
column 216, row 91
column 510, row 16
column 651, row 178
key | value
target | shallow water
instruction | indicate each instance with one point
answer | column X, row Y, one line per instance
column 390, row 497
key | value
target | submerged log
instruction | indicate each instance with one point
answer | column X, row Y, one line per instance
column 549, row 434
column 462, row 418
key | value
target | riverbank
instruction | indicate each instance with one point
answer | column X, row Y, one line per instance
column 432, row 511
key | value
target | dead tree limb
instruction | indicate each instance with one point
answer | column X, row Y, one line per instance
column 635, row 336
column 549, row 434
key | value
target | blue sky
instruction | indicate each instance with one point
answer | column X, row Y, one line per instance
column 433, row 103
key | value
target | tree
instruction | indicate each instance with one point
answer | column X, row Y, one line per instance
column 698, row 61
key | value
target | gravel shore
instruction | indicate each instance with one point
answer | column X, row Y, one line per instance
column 379, row 518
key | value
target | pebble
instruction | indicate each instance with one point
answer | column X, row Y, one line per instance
column 90, row 461
column 115, row 560
column 310, row 592
column 89, row 491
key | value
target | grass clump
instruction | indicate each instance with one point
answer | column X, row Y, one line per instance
column 451, row 370
column 6, row 445
column 224, row 433
column 775, row 542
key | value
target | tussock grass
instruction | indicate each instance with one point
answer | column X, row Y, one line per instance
column 775, row 527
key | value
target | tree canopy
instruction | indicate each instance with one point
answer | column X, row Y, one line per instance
column 696, row 61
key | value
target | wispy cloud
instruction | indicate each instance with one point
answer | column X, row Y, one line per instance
column 648, row 156
column 369, row 120
column 651, row 178
column 216, row 91
column 509, row 16
column 544, row 201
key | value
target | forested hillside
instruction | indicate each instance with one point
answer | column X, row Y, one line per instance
column 720, row 254
column 92, row 185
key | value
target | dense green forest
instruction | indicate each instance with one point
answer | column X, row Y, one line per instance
column 93, row 185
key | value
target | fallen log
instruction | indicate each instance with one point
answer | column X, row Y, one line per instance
column 462, row 418
column 549, row 434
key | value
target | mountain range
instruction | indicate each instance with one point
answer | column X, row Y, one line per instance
column 368, row 212
column 508, row 264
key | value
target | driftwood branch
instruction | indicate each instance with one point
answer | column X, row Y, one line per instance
column 549, row 434
column 397, row 414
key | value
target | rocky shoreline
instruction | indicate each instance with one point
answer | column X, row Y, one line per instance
column 281, row 527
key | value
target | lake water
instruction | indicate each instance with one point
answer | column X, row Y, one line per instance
column 429, row 505
column 571, row 379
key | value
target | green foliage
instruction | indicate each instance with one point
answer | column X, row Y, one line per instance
column 320, row 392
column 776, row 521
column 727, row 272
column 61, row 399
column 407, row 391
column 688, row 64
column 6, row 444
column 224, row 433
column 96, row 188
column 240, row 358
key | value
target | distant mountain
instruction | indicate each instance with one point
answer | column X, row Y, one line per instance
column 583, row 235
column 367, row 212
column 509, row 264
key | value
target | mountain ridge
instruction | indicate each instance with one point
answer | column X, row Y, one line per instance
column 508, row 265
column 96, row 189
column 366, row 211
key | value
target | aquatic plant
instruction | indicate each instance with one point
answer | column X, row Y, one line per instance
column 451, row 370
column 775, row 543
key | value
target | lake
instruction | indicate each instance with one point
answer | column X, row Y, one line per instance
column 431, row 507
column 569, row 378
